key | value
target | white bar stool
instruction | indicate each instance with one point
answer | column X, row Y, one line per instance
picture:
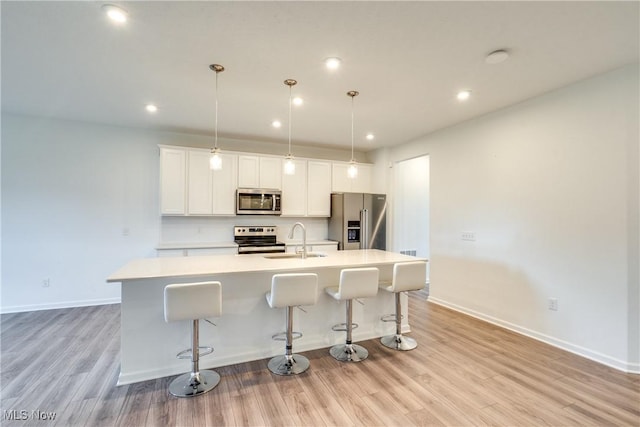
column 289, row 291
column 354, row 283
column 407, row 276
column 193, row 301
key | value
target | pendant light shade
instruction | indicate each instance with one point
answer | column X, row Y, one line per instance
column 215, row 162
column 289, row 166
column 352, row 172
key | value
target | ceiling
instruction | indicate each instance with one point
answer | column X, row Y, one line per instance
column 407, row 59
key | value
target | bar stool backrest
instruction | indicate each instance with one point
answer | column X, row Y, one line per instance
column 190, row 301
column 409, row 276
column 291, row 289
column 358, row 283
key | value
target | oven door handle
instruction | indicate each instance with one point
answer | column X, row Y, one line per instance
column 260, row 249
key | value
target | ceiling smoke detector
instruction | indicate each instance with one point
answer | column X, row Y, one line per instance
column 497, row 56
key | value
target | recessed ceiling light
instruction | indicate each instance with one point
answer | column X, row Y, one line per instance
column 151, row 108
column 370, row 137
column 276, row 124
column 463, row 95
column 115, row 13
column 332, row 63
column 297, row 101
column 497, row 56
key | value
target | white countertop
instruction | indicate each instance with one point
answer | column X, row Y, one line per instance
column 148, row 268
column 207, row 245
column 196, row 245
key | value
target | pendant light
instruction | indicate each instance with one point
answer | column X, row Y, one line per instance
column 352, row 172
column 289, row 166
column 215, row 162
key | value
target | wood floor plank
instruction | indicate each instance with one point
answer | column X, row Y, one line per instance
column 464, row 372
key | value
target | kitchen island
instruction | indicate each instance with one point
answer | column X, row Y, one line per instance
column 243, row 332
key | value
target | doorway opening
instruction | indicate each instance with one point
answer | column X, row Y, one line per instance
column 411, row 207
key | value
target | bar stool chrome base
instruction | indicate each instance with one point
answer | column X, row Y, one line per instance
column 399, row 342
column 349, row 352
column 190, row 384
column 293, row 364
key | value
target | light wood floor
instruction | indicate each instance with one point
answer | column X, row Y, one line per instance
column 464, row 372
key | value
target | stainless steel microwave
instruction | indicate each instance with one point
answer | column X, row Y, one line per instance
column 258, row 201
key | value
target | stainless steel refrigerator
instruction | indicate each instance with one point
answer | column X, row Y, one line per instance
column 358, row 220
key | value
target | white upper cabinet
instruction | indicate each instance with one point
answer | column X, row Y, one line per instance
column 294, row 191
column 318, row 188
column 225, row 182
column 341, row 183
column 188, row 186
column 211, row 192
column 248, row 171
column 259, row 172
column 173, row 190
column 271, row 172
column 199, row 183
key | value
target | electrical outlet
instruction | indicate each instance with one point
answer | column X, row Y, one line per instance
column 46, row 283
column 469, row 236
column 125, row 232
column 553, row 304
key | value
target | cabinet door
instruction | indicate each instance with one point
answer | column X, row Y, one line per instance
column 225, row 182
column 362, row 184
column 248, row 172
column 294, row 191
column 271, row 172
column 318, row 188
column 200, row 185
column 340, row 181
column 173, row 164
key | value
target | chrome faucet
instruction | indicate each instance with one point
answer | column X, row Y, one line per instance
column 304, row 237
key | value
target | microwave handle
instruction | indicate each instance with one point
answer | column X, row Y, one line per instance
column 273, row 202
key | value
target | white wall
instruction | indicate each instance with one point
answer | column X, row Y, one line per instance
column 550, row 188
column 80, row 200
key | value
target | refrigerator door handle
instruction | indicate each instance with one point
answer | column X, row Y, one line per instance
column 364, row 229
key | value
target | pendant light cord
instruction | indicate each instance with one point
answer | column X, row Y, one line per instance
column 289, row 154
column 215, row 146
column 352, row 159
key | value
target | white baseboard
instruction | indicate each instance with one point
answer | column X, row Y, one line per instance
column 57, row 305
column 621, row 365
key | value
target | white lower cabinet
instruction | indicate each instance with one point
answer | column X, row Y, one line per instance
column 171, row 252
column 313, row 247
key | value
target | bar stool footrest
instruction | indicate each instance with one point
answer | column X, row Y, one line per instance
column 202, row 351
column 282, row 336
column 342, row 327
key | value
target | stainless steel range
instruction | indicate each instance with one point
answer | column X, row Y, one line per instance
column 257, row 239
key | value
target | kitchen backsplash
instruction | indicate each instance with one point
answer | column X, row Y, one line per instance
column 193, row 229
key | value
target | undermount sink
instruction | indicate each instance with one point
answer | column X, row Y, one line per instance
column 294, row 256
